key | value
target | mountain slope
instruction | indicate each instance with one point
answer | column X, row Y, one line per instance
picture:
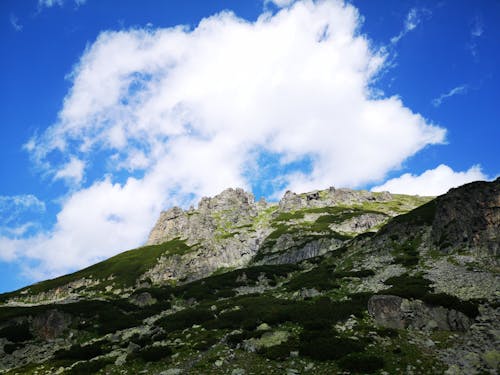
column 322, row 290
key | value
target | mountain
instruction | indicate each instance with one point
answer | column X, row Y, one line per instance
column 331, row 281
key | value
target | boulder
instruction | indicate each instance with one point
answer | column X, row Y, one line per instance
column 396, row 312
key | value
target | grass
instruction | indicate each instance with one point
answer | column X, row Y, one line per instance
column 125, row 268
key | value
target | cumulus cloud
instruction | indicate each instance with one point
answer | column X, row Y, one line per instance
column 432, row 182
column 72, row 172
column 169, row 115
column 414, row 17
column 279, row 3
column 459, row 90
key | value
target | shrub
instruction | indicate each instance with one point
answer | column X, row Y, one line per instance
column 321, row 278
column 361, row 363
column 469, row 308
column 324, row 345
column 205, row 341
column 80, row 353
column 237, row 338
column 279, row 352
column 361, row 273
column 406, row 286
column 11, row 348
column 17, row 332
column 154, row 353
column 90, row 367
column 185, row 319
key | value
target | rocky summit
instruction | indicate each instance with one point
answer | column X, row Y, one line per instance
column 333, row 281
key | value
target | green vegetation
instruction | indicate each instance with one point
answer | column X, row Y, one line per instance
column 89, row 367
column 122, row 270
column 17, row 332
column 80, row 352
column 323, row 278
column 406, row 286
column 152, row 353
column 406, row 253
column 325, row 345
column 417, row 287
column 422, row 215
column 361, row 363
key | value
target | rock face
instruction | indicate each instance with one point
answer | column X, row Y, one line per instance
column 232, row 229
column 331, row 197
column 396, row 312
column 51, row 324
column 469, row 217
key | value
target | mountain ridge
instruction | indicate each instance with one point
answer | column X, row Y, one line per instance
column 338, row 283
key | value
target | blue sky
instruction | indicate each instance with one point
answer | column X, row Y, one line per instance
column 114, row 110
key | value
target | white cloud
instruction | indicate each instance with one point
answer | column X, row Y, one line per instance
column 72, row 172
column 15, row 214
column 14, row 21
column 9, row 203
column 51, row 3
column 189, row 112
column 432, row 182
column 414, row 17
column 279, row 3
column 459, row 90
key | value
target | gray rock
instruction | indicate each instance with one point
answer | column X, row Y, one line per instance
column 142, row 299
column 469, row 217
column 132, row 347
column 51, row 324
column 396, row 312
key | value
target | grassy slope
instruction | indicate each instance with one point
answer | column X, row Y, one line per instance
column 124, row 268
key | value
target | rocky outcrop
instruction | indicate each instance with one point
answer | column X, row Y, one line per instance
column 396, row 312
column 231, row 230
column 51, row 324
column 360, row 224
column 230, row 209
column 469, row 217
column 331, row 197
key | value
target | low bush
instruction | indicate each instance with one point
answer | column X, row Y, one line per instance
column 17, row 332
column 80, row 352
column 185, row 319
column 205, row 340
column 361, row 363
column 320, row 278
column 324, row 345
column 280, row 352
column 154, row 353
column 237, row 338
column 360, row 274
column 469, row 308
column 406, row 286
column 89, row 367
column 11, row 348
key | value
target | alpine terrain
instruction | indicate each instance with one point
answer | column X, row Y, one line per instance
column 326, row 282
